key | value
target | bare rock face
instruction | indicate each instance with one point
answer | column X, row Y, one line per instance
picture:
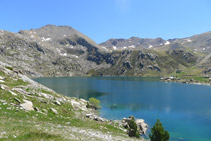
column 28, row 105
column 141, row 125
column 50, row 51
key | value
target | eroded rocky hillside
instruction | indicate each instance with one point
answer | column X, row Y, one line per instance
column 191, row 52
column 62, row 51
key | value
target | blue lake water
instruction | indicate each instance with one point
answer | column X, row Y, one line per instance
column 184, row 109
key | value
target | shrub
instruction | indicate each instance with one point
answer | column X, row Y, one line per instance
column 93, row 103
column 10, row 68
column 158, row 133
column 132, row 130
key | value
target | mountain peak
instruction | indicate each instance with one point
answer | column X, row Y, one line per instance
column 51, row 26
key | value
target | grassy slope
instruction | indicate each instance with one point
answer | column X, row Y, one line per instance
column 69, row 124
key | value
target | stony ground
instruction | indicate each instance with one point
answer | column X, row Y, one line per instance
column 30, row 111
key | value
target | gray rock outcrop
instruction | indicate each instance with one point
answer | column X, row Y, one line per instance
column 27, row 105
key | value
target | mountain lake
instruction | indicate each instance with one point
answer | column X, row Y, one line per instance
column 184, row 109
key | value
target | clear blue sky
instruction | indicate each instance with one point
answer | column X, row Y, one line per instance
column 104, row 19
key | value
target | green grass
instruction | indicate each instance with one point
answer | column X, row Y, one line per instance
column 35, row 135
column 11, row 82
column 24, row 124
column 19, row 82
column 32, row 125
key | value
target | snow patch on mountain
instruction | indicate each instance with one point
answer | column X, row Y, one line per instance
column 167, row 43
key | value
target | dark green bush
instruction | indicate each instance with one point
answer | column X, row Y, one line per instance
column 133, row 129
column 10, row 68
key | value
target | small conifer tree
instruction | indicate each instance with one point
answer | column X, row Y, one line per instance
column 158, row 133
column 133, row 129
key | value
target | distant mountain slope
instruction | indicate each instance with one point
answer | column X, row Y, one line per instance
column 56, row 34
column 195, row 49
column 201, row 42
column 50, row 51
column 133, row 42
column 63, row 51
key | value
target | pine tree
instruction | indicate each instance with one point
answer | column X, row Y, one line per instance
column 133, row 129
column 158, row 133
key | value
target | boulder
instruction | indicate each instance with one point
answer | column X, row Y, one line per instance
column 88, row 115
column 68, row 123
column 20, row 90
column 95, row 117
column 83, row 100
column 45, row 111
column 47, row 96
column 2, row 87
column 172, row 78
column 75, row 104
column 125, row 125
column 54, row 110
column 2, row 78
column 28, row 105
column 57, row 103
column 13, row 93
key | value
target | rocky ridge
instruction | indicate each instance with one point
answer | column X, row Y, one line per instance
column 62, row 51
column 133, row 43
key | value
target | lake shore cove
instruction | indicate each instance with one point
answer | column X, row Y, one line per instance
column 30, row 111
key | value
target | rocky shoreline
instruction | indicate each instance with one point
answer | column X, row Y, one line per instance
column 123, row 124
column 185, row 81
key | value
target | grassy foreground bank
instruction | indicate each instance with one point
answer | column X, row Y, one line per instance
column 30, row 111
